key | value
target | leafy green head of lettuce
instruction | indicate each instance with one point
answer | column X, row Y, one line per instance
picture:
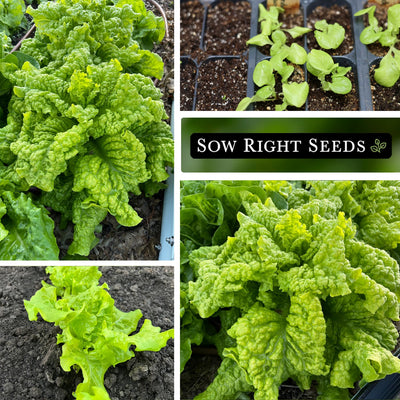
column 88, row 135
column 313, row 272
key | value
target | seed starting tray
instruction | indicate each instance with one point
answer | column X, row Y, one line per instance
column 360, row 58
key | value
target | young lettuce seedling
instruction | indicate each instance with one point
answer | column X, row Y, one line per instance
column 374, row 32
column 321, row 65
column 388, row 72
column 269, row 23
column 329, row 36
column 293, row 93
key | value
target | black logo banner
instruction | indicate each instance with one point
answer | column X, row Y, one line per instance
column 293, row 145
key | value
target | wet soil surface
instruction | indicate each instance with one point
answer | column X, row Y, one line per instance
column 319, row 100
column 384, row 98
column 222, row 83
column 334, row 14
column 30, row 356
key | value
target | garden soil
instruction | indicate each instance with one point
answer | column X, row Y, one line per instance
column 30, row 356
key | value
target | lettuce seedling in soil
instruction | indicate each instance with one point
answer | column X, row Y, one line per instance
column 292, row 93
column 331, row 75
column 95, row 334
column 388, row 72
column 329, row 36
column 333, row 14
column 269, row 23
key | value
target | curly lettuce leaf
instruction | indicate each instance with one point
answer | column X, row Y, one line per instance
column 228, row 384
column 26, row 230
column 115, row 168
column 292, row 346
column 363, row 340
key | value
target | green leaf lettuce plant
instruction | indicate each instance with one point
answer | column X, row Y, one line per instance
column 85, row 124
column 329, row 36
column 95, row 334
column 330, row 74
column 306, row 288
column 277, row 71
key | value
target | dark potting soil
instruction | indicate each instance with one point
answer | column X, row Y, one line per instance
column 30, row 355
column 289, row 20
column 222, row 84
column 335, row 13
column 228, row 28
column 188, row 75
column 319, row 100
column 192, row 14
column 384, row 98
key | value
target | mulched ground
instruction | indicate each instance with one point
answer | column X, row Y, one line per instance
column 30, row 356
column 117, row 242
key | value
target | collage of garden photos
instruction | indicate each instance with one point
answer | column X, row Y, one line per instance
column 199, row 200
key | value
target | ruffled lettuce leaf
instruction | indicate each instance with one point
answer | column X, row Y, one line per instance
column 26, row 230
column 125, row 31
column 293, row 345
column 228, row 384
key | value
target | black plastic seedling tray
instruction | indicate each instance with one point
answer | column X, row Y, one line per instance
column 360, row 58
